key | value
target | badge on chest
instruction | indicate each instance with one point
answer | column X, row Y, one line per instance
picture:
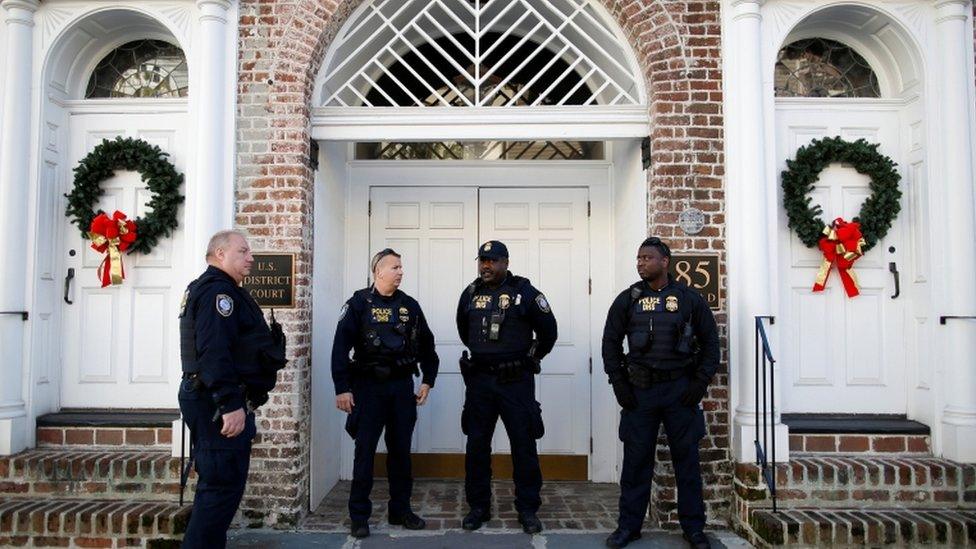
column 381, row 314
column 649, row 303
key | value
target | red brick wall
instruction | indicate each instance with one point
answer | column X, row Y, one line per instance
column 282, row 43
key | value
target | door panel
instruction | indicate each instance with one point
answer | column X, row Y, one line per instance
column 119, row 343
column 438, row 230
column 547, row 234
column 840, row 354
column 435, row 229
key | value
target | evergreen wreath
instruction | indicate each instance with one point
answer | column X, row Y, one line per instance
column 160, row 176
column 877, row 212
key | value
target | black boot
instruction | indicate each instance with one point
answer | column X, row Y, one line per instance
column 410, row 521
column 530, row 523
column 698, row 540
column 475, row 518
column 359, row 530
column 620, row 538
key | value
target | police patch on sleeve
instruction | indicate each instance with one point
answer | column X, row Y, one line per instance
column 540, row 300
column 225, row 305
column 186, row 296
column 343, row 311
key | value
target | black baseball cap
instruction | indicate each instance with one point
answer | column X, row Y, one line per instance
column 493, row 249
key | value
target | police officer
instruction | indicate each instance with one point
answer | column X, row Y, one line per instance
column 230, row 358
column 390, row 336
column 673, row 353
column 496, row 317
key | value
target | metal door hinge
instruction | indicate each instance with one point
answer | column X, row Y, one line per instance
column 591, row 365
column 589, row 286
column 369, row 208
column 591, row 445
column 589, row 211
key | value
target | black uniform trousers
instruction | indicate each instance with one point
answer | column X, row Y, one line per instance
column 221, row 464
column 685, row 427
column 381, row 405
column 485, row 400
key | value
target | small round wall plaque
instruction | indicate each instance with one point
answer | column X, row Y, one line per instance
column 691, row 221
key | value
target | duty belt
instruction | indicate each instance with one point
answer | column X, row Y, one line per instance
column 644, row 376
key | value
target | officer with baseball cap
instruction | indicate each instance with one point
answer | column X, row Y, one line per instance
column 497, row 316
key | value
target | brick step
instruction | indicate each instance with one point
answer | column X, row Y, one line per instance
column 846, row 481
column 814, row 527
column 861, row 443
column 107, row 428
column 63, row 523
column 150, row 475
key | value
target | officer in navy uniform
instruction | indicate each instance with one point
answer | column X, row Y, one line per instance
column 230, row 359
column 496, row 317
column 389, row 336
column 673, row 352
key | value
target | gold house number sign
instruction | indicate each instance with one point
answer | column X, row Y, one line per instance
column 699, row 272
column 272, row 280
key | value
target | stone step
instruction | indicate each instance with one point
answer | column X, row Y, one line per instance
column 847, row 481
column 48, row 473
column 815, row 527
column 91, row 523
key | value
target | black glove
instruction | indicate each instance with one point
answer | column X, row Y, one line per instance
column 624, row 391
column 695, row 392
column 254, row 401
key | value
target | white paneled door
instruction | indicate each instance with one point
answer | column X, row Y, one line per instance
column 119, row 345
column 437, row 230
column 841, row 354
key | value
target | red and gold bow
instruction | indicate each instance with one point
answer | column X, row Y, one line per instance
column 841, row 244
column 111, row 236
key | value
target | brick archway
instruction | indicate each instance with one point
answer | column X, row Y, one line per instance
column 281, row 48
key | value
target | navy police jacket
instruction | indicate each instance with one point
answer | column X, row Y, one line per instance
column 515, row 310
column 382, row 329
column 225, row 340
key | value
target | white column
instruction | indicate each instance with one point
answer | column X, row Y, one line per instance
column 211, row 192
column 749, row 237
column 14, row 183
column 955, row 48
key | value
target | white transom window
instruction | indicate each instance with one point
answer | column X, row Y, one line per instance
column 479, row 53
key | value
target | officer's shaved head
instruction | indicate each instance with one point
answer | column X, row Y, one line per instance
column 221, row 240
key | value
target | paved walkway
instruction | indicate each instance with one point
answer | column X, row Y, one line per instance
column 453, row 539
column 575, row 515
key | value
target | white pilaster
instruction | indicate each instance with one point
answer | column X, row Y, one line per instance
column 749, row 238
column 955, row 48
column 210, row 198
column 14, row 184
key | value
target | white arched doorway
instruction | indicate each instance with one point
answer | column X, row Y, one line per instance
column 855, row 72
column 114, row 72
column 444, row 124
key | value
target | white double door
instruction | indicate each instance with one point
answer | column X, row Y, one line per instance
column 438, row 230
column 119, row 344
column 841, row 354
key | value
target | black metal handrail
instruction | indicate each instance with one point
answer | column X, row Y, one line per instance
column 764, row 356
column 23, row 314
column 942, row 319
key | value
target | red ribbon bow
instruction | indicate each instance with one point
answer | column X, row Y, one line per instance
column 113, row 235
column 841, row 244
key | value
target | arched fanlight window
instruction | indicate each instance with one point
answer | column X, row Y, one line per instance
column 144, row 68
column 818, row 67
column 479, row 53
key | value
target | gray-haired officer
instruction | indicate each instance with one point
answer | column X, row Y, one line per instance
column 389, row 335
column 673, row 352
column 230, row 359
column 496, row 317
